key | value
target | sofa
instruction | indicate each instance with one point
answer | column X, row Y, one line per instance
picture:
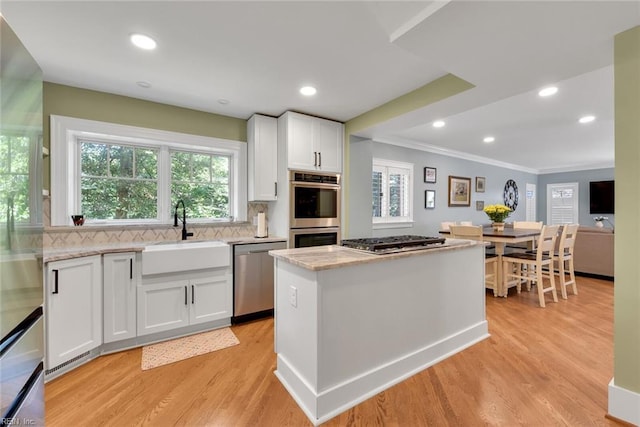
column 593, row 251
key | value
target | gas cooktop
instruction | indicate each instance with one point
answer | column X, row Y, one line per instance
column 393, row 244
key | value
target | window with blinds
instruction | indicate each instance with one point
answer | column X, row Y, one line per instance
column 392, row 190
column 562, row 203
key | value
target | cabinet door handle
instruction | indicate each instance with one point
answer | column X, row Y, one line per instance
column 315, row 158
column 55, row 281
column 193, row 294
column 185, row 295
column 275, row 184
column 130, row 268
column 319, row 159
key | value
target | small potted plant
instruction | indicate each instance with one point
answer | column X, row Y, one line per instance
column 497, row 214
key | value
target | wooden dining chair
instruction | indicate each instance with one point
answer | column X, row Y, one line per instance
column 533, row 225
column 535, row 263
column 563, row 258
column 444, row 226
column 490, row 260
column 530, row 225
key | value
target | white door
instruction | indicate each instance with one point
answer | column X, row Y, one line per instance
column 119, row 281
column 73, row 311
column 530, row 204
column 327, row 142
column 210, row 299
column 300, row 142
column 262, row 140
column 163, row 306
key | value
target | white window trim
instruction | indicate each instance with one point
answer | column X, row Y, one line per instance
column 393, row 222
column 65, row 164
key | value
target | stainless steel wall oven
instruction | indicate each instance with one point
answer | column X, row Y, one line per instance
column 314, row 200
column 317, row 236
column 314, row 212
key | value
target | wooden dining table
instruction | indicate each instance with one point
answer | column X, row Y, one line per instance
column 500, row 239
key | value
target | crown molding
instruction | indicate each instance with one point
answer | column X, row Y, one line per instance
column 407, row 143
column 420, row 146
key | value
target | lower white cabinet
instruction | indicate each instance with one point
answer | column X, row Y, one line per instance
column 210, row 299
column 167, row 302
column 120, row 278
column 73, row 308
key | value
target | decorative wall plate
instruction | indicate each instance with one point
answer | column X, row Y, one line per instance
column 510, row 194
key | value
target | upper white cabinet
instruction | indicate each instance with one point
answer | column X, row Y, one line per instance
column 262, row 140
column 313, row 144
column 73, row 308
column 120, row 277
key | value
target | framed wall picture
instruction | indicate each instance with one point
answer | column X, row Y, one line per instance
column 480, row 182
column 429, row 199
column 459, row 191
column 430, row 175
column 480, row 205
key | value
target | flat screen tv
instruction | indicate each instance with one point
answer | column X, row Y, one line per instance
column 601, row 197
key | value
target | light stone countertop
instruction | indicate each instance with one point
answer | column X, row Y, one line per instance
column 58, row 254
column 249, row 240
column 328, row 257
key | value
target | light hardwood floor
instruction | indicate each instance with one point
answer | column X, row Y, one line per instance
column 540, row 367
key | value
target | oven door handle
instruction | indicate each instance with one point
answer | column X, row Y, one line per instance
column 315, row 185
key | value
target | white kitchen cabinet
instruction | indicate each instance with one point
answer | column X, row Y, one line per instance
column 327, row 140
column 170, row 301
column 210, row 299
column 312, row 143
column 262, row 141
column 163, row 306
column 73, row 308
column 120, row 278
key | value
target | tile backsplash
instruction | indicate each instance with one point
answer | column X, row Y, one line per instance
column 63, row 237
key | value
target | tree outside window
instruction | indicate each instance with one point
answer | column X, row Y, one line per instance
column 14, row 178
column 118, row 181
column 202, row 182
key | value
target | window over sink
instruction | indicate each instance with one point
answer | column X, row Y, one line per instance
column 118, row 174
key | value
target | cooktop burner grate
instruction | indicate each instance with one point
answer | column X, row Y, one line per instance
column 393, row 243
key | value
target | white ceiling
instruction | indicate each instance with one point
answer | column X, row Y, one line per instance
column 359, row 55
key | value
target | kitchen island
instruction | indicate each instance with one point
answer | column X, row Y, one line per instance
column 350, row 324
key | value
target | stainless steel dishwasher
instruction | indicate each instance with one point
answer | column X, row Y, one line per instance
column 253, row 280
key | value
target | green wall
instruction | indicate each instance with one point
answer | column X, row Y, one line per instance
column 92, row 105
column 432, row 92
column 627, row 250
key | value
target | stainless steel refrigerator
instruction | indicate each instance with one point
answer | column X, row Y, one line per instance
column 21, row 295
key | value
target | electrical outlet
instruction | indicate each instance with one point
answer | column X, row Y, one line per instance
column 293, row 296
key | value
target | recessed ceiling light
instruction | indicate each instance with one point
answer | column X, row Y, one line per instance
column 548, row 91
column 143, row 42
column 438, row 124
column 308, row 90
column 144, row 84
column 587, row 119
column 488, row 139
column 223, row 101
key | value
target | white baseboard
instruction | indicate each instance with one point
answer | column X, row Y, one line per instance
column 320, row 407
column 624, row 404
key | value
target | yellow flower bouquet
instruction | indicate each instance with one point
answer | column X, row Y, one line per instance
column 497, row 213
